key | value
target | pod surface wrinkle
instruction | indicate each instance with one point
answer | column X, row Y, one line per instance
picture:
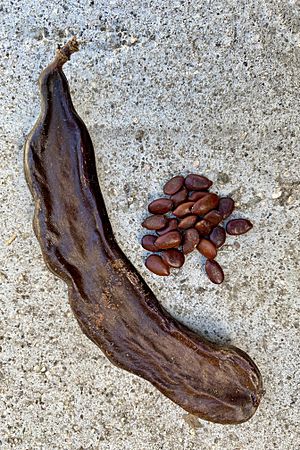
column 114, row 306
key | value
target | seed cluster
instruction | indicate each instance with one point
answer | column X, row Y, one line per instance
column 196, row 225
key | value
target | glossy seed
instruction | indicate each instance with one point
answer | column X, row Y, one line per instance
column 203, row 227
column 218, row 236
column 205, row 204
column 173, row 185
column 207, row 249
column 194, row 196
column 173, row 257
column 148, row 242
column 179, row 197
column 214, row 271
column 183, row 209
column 171, row 225
column 155, row 222
column 226, row 206
column 187, row 222
column 214, row 217
column 236, row 227
column 156, row 265
column 172, row 239
column 160, row 206
column 190, row 240
column 195, row 182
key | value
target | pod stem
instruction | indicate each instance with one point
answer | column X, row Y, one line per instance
column 64, row 53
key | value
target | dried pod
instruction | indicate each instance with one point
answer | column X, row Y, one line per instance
column 173, row 185
column 238, row 226
column 155, row 264
column 195, row 182
column 160, row 206
column 114, row 306
column 173, row 258
column 156, row 222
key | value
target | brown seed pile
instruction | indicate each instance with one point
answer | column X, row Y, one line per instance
column 189, row 219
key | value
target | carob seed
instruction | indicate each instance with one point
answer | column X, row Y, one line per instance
column 172, row 239
column 155, row 222
column 160, row 206
column 148, row 242
column 195, row 182
column 218, row 236
column 190, row 240
column 226, row 206
column 214, row 217
column 205, row 204
column 203, row 227
column 179, row 197
column 183, row 209
column 173, row 185
column 207, row 249
column 187, row 222
column 173, row 257
column 194, row 196
column 236, row 227
column 214, row 271
column 171, row 225
column 156, row 265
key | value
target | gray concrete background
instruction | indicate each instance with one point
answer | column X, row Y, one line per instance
column 164, row 88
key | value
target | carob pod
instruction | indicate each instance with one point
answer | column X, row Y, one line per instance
column 114, row 306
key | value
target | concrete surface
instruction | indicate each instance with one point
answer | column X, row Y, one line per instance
column 164, row 88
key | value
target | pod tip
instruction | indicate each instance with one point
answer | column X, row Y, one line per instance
column 64, row 53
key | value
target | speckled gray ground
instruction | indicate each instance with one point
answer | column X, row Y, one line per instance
column 164, row 88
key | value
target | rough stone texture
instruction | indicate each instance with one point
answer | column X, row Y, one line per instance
column 164, row 88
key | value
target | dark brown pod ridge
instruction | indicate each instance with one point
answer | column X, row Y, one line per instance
column 114, row 306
